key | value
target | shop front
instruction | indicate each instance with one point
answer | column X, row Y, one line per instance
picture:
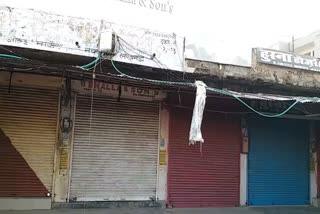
column 115, row 144
column 206, row 175
column 28, row 120
column 278, row 162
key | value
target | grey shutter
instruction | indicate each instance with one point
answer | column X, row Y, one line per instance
column 117, row 160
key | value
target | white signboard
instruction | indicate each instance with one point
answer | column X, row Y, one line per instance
column 117, row 91
column 164, row 6
column 286, row 59
column 144, row 47
column 50, row 32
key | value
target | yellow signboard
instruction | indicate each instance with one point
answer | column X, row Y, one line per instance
column 64, row 160
column 163, row 157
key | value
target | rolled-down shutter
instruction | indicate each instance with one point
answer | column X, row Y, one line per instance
column 28, row 117
column 278, row 162
column 207, row 176
column 117, row 158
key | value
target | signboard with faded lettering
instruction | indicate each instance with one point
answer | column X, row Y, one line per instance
column 79, row 36
column 286, row 59
column 145, row 47
column 158, row 5
column 117, row 91
column 162, row 157
column 64, row 159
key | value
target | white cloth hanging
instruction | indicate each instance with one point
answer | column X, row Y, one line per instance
column 195, row 129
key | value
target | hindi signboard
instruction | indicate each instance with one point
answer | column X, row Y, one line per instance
column 85, row 87
column 26, row 28
column 286, row 59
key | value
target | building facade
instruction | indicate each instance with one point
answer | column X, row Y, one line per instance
column 105, row 141
column 78, row 148
column 118, row 133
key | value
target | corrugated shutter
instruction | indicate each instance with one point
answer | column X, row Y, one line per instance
column 29, row 118
column 120, row 160
column 278, row 162
column 16, row 176
column 318, row 161
column 210, row 177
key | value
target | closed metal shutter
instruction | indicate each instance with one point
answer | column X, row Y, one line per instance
column 207, row 176
column 318, row 159
column 29, row 118
column 117, row 159
column 278, row 162
column 17, row 179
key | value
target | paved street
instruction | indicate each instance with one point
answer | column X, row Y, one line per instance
column 244, row 210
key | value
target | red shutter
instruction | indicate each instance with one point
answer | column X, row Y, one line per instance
column 206, row 177
column 318, row 171
column 17, row 179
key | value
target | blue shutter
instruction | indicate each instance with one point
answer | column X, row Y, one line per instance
column 278, row 162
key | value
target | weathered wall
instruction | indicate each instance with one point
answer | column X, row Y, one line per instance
column 258, row 74
column 295, row 78
column 33, row 29
column 39, row 30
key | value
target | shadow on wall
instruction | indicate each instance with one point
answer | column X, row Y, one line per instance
column 17, row 179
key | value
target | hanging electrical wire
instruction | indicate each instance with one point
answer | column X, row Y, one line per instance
column 148, row 55
column 12, row 56
column 90, row 119
column 86, row 66
column 151, row 80
column 224, row 92
column 94, row 62
column 160, row 65
column 216, row 90
column 154, row 58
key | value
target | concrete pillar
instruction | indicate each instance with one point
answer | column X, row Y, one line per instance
column 244, row 162
column 163, row 155
column 64, row 146
column 313, row 165
column 243, row 179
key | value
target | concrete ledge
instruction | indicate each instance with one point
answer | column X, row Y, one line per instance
column 25, row 203
column 315, row 202
column 109, row 204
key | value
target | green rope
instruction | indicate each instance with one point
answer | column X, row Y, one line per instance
column 151, row 80
column 249, row 107
column 11, row 56
column 211, row 89
column 90, row 63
